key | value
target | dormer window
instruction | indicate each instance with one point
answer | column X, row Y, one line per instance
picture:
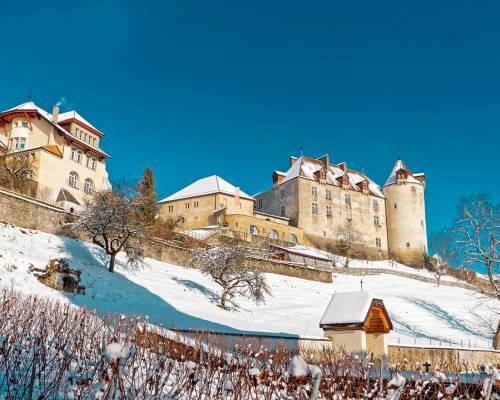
column 25, row 124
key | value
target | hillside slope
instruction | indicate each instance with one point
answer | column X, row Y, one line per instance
column 178, row 297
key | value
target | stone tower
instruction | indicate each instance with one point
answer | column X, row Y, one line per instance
column 405, row 213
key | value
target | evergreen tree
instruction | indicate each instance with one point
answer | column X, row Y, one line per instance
column 147, row 192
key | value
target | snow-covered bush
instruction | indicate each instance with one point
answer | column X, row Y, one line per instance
column 53, row 350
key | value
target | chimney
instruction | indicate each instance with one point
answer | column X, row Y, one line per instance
column 277, row 178
column 55, row 113
column 236, row 196
column 292, row 160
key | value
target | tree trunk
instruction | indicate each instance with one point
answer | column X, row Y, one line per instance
column 112, row 262
column 346, row 264
column 223, row 299
column 496, row 339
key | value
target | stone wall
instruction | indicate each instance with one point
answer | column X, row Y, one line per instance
column 29, row 213
column 448, row 359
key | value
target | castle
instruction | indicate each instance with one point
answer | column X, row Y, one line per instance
column 310, row 204
column 61, row 151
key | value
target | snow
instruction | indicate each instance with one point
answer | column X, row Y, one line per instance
column 201, row 234
column 297, row 367
column 347, row 308
column 114, row 351
column 209, row 185
column 176, row 297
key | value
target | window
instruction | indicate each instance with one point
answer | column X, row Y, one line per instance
column 259, row 203
column 93, row 142
column 273, row 235
column 186, row 205
column 73, row 179
column 328, row 194
column 407, row 244
column 76, row 155
column 292, row 239
column 282, row 193
column 195, row 204
column 283, row 211
column 88, row 186
column 252, row 229
column 375, row 205
column 378, row 242
column 25, row 124
column 315, row 208
column 349, row 214
column 347, row 198
column 20, row 143
column 376, row 221
column 314, row 191
column 395, row 205
column 170, row 208
column 328, row 211
column 91, row 162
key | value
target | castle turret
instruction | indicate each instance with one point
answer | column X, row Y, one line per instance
column 405, row 213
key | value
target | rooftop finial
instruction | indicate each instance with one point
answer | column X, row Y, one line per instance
column 362, row 169
column 301, row 151
column 29, row 94
column 399, row 154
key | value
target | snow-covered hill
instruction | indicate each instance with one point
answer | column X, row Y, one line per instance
column 179, row 297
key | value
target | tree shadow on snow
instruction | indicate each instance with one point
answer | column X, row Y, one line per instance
column 210, row 294
column 443, row 315
column 113, row 293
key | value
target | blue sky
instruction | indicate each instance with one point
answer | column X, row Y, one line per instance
column 233, row 88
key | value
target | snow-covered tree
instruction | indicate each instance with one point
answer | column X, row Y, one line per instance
column 112, row 221
column 445, row 253
column 225, row 264
column 349, row 241
column 16, row 172
column 476, row 229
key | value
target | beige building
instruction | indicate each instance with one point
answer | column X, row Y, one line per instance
column 63, row 151
column 324, row 199
column 214, row 202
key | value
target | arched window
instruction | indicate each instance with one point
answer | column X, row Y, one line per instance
column 252, row 229
column 292, row 239
column 273, row 234
column 73, row 179
column 88, row 187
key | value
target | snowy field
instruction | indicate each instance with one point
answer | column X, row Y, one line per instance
column 174, row 296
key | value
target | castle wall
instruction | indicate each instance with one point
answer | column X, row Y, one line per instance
column 283, row 195
column 405, row 209
column 323, row 231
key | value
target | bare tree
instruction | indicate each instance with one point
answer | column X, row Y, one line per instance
column 349, row 241
column 111, row 220
column 477, row 233
column 16, row 171
column 445, row 253
column 225, row 264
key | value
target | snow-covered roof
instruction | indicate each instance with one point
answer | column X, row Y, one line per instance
column 209, row 185
column 31, row 106
column 347, row 308
column 75, row 115
column 308, row 252
column 306, row 167
column 400, row 165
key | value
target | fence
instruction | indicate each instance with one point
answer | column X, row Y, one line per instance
column 379, row 271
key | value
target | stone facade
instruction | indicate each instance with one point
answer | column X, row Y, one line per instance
column 321, row 198
column 191, row 209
